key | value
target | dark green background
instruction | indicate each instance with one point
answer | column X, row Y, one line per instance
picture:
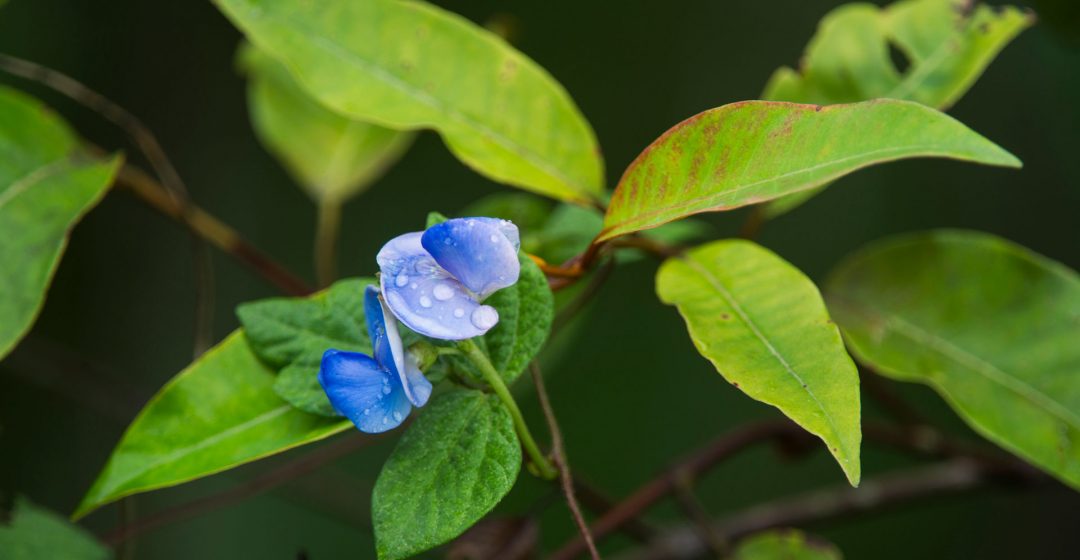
column 631, row 392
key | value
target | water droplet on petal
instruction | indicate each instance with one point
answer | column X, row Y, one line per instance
column 459, row 313
column 413, row 286
column 367, row 411
column 484, row 317
column 443, row 292
column 425, row 302
column 401, row 280
column 385, row 419
column 397, row 416
column 448, row 240
column 494, row 238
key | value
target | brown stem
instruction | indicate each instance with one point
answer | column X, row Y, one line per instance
column 597, row 502
column 148, row 144
column 558, row 451
column 699, row 517
column 755, row 220
column 646, row 245
column 693, row 466
column 953, row 476
column 267, row 481
column 570, row 310
column 211, row 229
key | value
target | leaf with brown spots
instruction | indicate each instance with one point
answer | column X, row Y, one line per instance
column 754, row 151
column 947, row 46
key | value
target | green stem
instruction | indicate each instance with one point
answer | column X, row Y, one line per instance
column 328, row 223
column 543, row 467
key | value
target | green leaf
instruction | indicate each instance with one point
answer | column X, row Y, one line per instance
column 409, row 65
column 451, row 467
column 47, row 183
column 291, row 335
column 947, row 48
column 764, row 327
column 754, row 151
column 35, row 533
column 784, row 544
column 332, row 156
column 991, row 326
column 218, row 413
column 526, row 310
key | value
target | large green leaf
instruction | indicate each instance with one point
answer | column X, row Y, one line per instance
column 762, row 323
column 218, row 413
column 35, row 533
column 754, row 151
column 332, row 156
column 291, row 335
column 526, row 310
column 47, row 183
column 947, row 48
column 991, row 326
column 452, row 466
column 784, row 544
column 409, row 65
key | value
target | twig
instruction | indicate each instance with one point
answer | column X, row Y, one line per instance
column 653, row 491
column 148, row 144
column 699, row 517
column 597, row 502
column 755, row 220
column 267, row 481
column 558, row 451
column 957, row 475
column 211, row 229
column 328, row 223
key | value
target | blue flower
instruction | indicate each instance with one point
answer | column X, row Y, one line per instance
column 376, row 393
column 434, row 281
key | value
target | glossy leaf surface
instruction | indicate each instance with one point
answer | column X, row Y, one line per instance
column 410, row 65
column 764, row 326
column 990, row 325
column 755, row 151
column 47, row 183
column 218, row 413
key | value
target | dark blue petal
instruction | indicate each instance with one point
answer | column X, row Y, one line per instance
column 480, row 252
column 363, row 392
column 425, row 297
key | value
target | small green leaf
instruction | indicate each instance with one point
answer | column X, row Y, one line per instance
column 434, row 219
column 47, row 183
column 218, row 413
column 291, row 335
column 451, row 467
column 947, row 47
column 991, row 326
column 332, row 156
column 35, row 533
column 754, row 151
column 526, row 310
column 409, row 65
column 762, row 323
column 784, row 544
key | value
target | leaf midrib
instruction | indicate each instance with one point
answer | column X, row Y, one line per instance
column 745, row 318
column 913, row 150
column 393, row 80
column 974, row 362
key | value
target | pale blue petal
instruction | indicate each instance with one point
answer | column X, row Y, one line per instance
column 363, row 392
column 480, row 252
column 419, row 388
column 425, row 297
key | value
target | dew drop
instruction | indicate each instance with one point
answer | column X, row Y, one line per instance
column 459, row 313
column 443, row 292
column 484, row 317
column 413, row 286
column 401, row 280
column 367, row 411
column 494, row 238
column 448, row 241
column 425, row 302
column 397, row 416
column 385, row 419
